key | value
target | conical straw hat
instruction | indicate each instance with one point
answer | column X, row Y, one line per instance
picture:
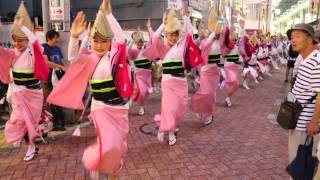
column 202, row 31
column 101, row 27
column 22, row 12
column 137, row 36
column 213, row 24
column 173, row 23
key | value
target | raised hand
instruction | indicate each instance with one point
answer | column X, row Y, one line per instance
column 148, row 23
column 164, row 18
column 79, row 25
column 106, row 7
column 89, row 28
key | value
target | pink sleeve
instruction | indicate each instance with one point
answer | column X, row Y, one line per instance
column 6, row 53
column 155, row 40
column 151, row 32
column 7, row 56
column 187, row 25
column 206, row 43
column 116, row 29
column 41, row 68
column 156, row 46
column 132, row 54
column 242, row 49
column 184, row 45
column 70, row 89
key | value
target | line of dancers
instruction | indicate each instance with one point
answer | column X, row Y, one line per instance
column 216, row 58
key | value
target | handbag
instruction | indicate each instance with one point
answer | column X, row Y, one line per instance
column 303, row 166
column 45, row 122
column 289, row 113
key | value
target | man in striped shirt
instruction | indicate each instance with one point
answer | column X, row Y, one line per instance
column 306, row 88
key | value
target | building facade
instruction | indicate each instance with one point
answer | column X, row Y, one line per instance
column 290, row 12
column 131, row 13
column 258, row 15
column 8, row 9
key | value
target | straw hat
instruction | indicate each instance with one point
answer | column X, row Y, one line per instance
column 22, row 12
column 137, row 36
column 173, row 23
column 101, row 27
column 202, row 31
column 213, row 23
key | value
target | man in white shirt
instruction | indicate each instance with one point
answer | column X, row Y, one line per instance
column 306, row 88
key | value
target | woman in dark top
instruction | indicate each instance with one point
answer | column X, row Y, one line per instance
column 291, row 57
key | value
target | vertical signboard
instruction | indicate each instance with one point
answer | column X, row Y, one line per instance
column 57, row 14
column 174, row 4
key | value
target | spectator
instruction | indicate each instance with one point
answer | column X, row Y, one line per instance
column 306, row 87
column 3, row 91
column 55, row 61
column 291, row 57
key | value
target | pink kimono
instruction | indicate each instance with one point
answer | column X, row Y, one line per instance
column 232, row 74
column 228, row 48
column 142, row 77
column 110, row 121
column 26, row 102
column 261, row 55
column 174, row 89
column 203, row 101
column 250, row 63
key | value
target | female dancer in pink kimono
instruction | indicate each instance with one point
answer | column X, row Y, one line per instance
column 143, row 85
column 28, row 68
column 203, row 101
column 262, row 56
column 230, row 53
column 109, row 109
column 249, row 70
column 174, row 83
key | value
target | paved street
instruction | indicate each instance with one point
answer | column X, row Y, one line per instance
column 242, row 143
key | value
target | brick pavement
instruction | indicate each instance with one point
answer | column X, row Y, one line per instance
column 240, row 144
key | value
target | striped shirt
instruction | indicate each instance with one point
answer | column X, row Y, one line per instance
column 306, row 86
